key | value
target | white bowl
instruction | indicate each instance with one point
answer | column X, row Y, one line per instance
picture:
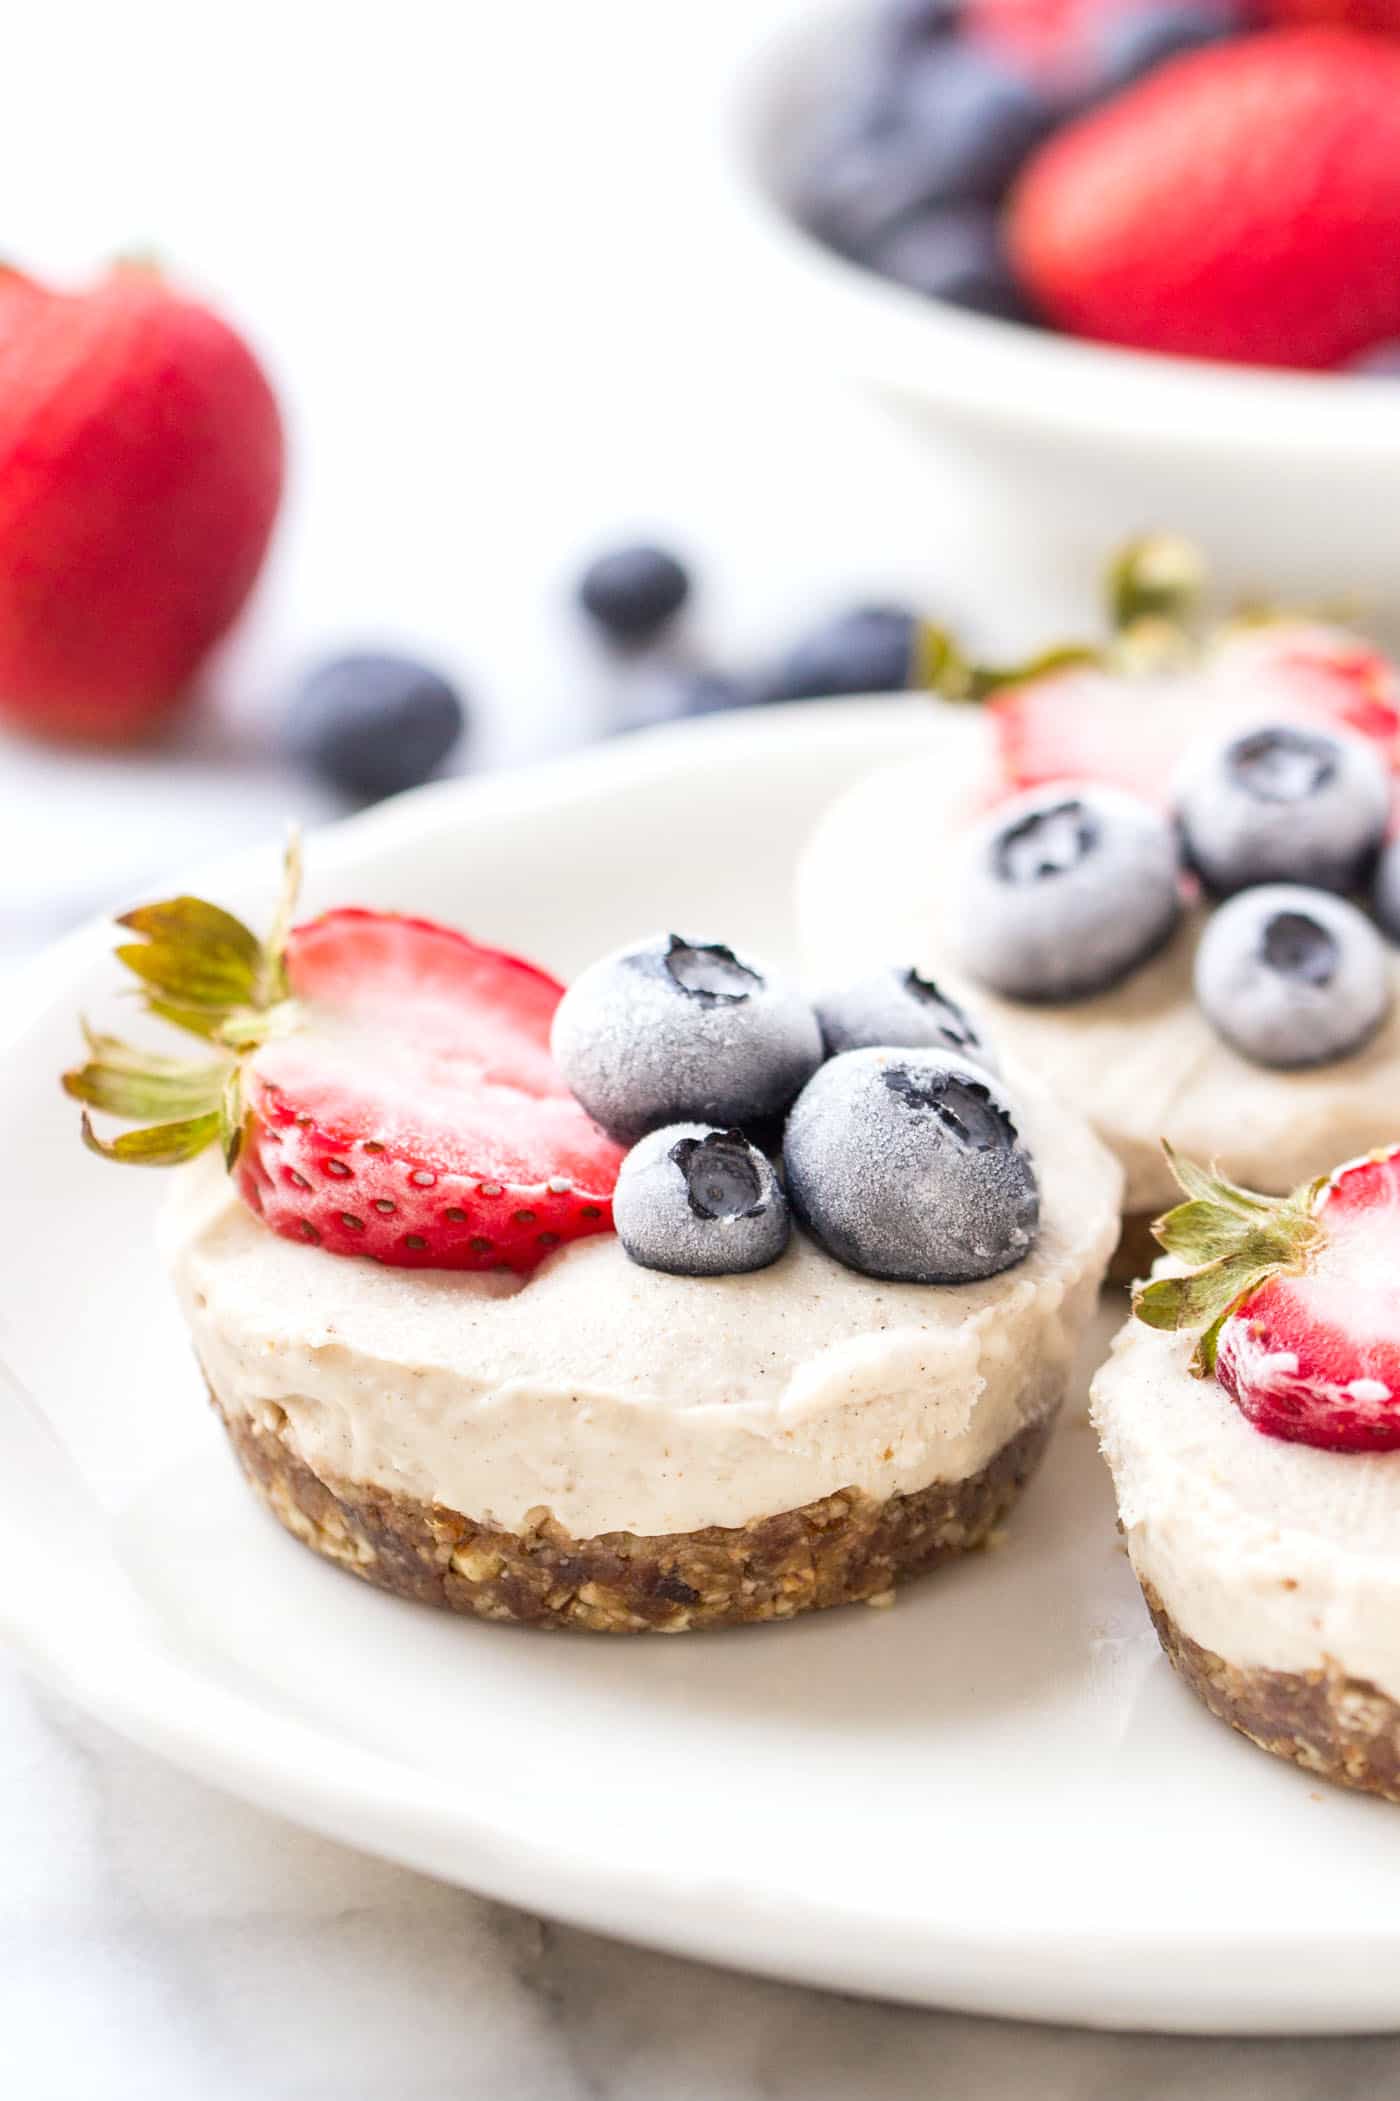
column 1292, row 481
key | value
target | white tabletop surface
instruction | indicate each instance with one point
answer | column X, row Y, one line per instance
column 482, row 251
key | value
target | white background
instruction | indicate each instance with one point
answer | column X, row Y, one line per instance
column 485, row 252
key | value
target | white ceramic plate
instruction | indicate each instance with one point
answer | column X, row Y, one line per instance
column 995, row 1797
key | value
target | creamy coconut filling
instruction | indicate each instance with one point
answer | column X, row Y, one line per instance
column 1140, row 1061
column 623, row 1399
column 1276, row 1556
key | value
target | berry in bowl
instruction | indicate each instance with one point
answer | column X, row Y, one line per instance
column 628, row 1308
column 1137, row 256
column 1160, row 874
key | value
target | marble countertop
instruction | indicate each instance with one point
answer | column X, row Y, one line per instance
column 160, row 1941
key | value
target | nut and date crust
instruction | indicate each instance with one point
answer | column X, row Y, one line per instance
column 1340, row 1728
column 844, row 1549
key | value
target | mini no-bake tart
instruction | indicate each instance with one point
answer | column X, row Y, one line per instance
column 470, row 1347
column 1166, row 890
column 1250, row 1416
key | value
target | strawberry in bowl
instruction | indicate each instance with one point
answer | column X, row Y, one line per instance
column 1209, row 178
column 1250, row 1416
column 586, row 1308
column 1003, row 218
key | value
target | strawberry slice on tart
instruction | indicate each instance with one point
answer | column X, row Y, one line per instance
column 381, row 1085
column 1250, row 1417
column 1296, row 1300
column 1129, row 729
column 1126, row 711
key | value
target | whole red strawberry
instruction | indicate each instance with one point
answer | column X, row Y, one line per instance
column 140, row 473
column 1297, row 1298
column 383, row 1085
column 1241, row 203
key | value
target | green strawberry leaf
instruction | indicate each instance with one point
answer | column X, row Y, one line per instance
column 205, row 972
column 162, row 1145
column 190, row 922
column 1232, row 1240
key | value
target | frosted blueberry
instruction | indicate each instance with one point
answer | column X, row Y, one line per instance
column 1386, row 894
column 907, row 1164
column 1292, row 977
column 1063, row 891
column 1283, row 803
column 676, row 1031
column 700, row 1203
column 903, row 1010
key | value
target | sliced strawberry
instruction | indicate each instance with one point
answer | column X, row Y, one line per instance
column 1297, row 1298
column 416, row 1115
column 1314, row 1357
column 1088, row 723
column 1319, row 670
column 387, row 1089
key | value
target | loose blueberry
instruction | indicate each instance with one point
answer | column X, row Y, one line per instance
column 868, row 650
column 698, row 1202
column 1064, row 891
column 373, row 725
column 963, row 125
column 907, row 1164
column 954, row 253
column 1132, row 44
column 1385, row 895
column 1283, row 803
column 898, row 1008
column 633, row 592
column 675, row 1031
column 1292, row 977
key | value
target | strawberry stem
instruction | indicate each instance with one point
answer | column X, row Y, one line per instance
column 1159, row 577
column 941, row 667
column 205, row 972
column 1230, row 1241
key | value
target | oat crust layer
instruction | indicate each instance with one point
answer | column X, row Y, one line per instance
column 1343, row 1729
column 842, row 1550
